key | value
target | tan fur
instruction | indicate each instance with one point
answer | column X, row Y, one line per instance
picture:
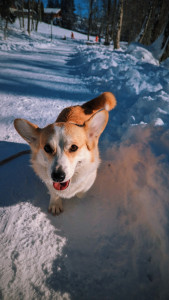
column 76, row 125
column 80, row 114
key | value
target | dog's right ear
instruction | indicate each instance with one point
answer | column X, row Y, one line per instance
column 28, row 131
column 95, row 126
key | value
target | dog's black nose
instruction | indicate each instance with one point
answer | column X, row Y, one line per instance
column 58, row 175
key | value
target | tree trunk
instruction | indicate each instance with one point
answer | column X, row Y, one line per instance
column 5, row 28
column 107, row 40
column 165, row 43
column 38, row 16
column 20, row 22
column 28, row 17
column 119, row 26
column 90, row 19
column 114, row 10
column 32, row 21
column 145, row 36
column 160, row 19
column 23, row 24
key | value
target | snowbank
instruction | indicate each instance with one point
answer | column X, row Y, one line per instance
column 135, row 77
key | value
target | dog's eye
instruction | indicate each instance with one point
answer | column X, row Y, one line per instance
column 73, row 148
column 48, row 149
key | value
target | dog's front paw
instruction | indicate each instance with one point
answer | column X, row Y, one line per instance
column 55, row 206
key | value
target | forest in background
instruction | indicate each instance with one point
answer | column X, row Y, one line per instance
column 145, row 22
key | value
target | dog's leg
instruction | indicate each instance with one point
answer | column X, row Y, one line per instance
column 55, row 205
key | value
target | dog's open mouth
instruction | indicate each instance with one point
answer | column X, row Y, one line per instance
column 60, row 186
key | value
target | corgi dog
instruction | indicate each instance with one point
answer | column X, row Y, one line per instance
column 65, row 154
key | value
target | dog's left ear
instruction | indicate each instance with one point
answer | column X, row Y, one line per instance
column 96, row 124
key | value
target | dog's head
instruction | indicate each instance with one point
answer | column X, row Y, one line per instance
column 63, row 149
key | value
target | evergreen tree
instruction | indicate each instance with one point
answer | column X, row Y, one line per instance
column 57, row 4
column 68, row 16
column 50, row 4
column 53, row 4
column 6, row 14
column 5, row 9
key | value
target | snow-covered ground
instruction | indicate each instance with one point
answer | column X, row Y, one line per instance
column 113, row 243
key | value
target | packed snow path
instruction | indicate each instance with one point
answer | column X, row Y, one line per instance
column 113, row 243
column 31, row 81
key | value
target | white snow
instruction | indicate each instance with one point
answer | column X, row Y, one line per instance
column 114, row 242
column 27, row 247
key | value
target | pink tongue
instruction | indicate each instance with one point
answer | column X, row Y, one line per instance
column 60, row 186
